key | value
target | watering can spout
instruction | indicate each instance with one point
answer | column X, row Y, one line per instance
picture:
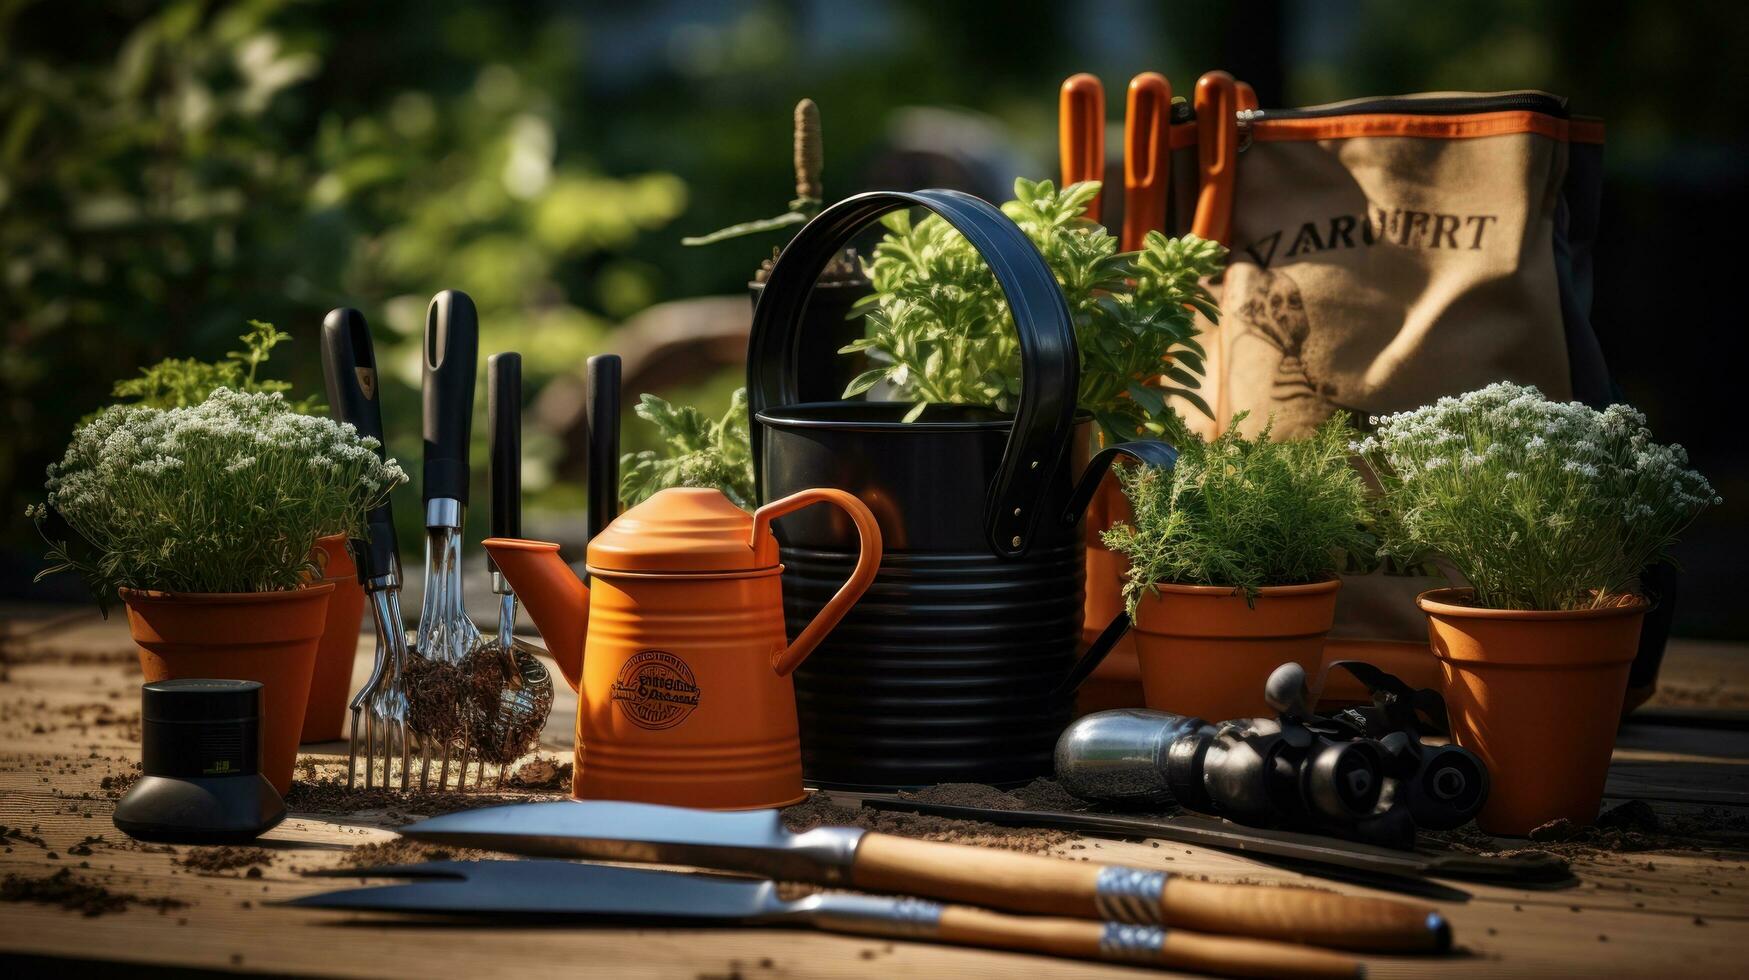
column 556, row 599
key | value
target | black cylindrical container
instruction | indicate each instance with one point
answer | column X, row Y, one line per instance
column 200, row 754
column 946, row 670
column 951, row 667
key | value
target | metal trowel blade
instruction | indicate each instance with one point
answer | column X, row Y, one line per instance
column 553, row 888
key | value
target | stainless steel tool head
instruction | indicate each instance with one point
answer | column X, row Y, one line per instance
column 550, row 888
column 1119, row 756
column 753, row 841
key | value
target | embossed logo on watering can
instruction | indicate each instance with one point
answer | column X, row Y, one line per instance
column 655, row 690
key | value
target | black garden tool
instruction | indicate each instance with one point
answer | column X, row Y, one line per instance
column 512, row 689
column 379, row 709
column 446, row 635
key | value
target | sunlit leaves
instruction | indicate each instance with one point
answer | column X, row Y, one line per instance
column 939, row 329
column 697, row 451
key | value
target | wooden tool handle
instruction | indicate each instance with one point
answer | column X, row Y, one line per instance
column 1142, row 946
column 1052, row 886
column 1301, row 915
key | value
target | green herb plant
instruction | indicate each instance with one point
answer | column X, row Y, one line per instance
column 939, row 328
column 1245, row 513
column 698, row 452
column 181, row 382
column 228, row 495
column 1539, row 504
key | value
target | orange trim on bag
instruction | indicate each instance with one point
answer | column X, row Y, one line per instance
column 1472, row 126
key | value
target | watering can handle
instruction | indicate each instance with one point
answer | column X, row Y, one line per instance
column 868, row 562
column 1158, row 454
column 1050, row 363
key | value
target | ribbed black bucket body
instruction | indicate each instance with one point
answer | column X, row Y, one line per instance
column 947, row 669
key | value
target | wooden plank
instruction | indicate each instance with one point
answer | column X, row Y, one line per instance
column 1645, row 906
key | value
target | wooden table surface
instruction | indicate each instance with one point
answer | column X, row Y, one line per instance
column 1680, row 912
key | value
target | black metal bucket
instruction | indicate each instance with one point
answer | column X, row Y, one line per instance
column 957, row 665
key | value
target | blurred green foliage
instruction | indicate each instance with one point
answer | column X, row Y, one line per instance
column 181, row 382
column 170, row 169
column 159, row 193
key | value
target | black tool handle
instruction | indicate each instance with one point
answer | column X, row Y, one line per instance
column 452, row 350
column 349, row 366
column 603, row 432
column 504, row 427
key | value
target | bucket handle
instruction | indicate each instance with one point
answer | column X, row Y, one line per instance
column 1148, row 453
column 1050, row 363
column 868, row 562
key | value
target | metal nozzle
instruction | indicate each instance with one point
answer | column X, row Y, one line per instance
column 1119, row 756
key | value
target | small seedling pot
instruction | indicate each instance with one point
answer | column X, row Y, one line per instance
column 331, row 684
column 1537, row 694
column 270, row 637
column 1206, row 652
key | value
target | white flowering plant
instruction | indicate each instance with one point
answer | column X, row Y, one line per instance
column 1539, row 504
column 228, row 495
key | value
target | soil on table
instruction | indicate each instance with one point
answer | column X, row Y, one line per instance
column 66, row 890
column 331, row 797
column 404, row 851
column 1629, row 827
column 219, row 859
column 1040, row 794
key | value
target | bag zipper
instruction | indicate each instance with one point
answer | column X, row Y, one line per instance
column 1451, row 105
column 1443, row 105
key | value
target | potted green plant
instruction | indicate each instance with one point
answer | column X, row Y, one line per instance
column 180, row 382
column 938, row 330
column 204, row 521
column 1233, row 555
column 831, row 318
column 1550, row 511
column 697, row 451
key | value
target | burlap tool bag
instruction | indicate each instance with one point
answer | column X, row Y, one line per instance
column 1386, row 252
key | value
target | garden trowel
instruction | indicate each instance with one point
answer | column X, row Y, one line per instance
column 592, row 892
column 756, row 842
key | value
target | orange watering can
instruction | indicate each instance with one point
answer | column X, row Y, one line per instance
column 677, row 647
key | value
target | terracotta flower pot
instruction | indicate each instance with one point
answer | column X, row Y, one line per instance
column 1205, row 652
column 1117, row 681
column 269, row 637
column 331, row 685
column 1538, row 695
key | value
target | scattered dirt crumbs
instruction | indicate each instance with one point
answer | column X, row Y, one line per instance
column 64, row 890
column 330, row 797
column 822, row 810
column 403, row 851
column 19, row 834
column 1629, row 827
column 116, row 785
column 215, row 859
column 541, row 774
column 1040, row 794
